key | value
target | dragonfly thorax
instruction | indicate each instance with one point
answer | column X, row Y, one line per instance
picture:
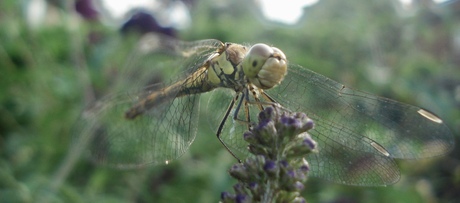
column 234, row 67
column 225, row 67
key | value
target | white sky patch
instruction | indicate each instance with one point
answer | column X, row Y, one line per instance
column 409, row 2
column 441, row 1
column 288, row 12
column 35, row 12
column 177, row 14
column 118, row 9
column 406, row 2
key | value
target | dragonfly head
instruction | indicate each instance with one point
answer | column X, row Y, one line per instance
column 264, row 66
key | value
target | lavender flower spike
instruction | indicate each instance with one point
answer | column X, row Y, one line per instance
column 277, row 169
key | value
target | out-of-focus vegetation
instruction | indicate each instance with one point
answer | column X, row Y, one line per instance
column 50, row 71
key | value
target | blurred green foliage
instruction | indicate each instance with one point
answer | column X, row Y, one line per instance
column 46, row 72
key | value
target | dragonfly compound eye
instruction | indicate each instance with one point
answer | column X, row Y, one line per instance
column 265, row 66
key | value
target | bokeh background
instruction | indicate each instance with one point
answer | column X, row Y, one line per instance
column 58, row 56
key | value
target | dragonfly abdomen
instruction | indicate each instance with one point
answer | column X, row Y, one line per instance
column 194, row 84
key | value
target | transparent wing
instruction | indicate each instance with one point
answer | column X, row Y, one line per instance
column 359, row 134
column 233, row 130
column 160, row 134
column 162, row 59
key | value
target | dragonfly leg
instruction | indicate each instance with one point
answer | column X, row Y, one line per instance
column 221, row 126
column 247, row 115
column 246, row 109
column 256, row 98
column 269, row 101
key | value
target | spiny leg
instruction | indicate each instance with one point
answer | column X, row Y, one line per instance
column 221, row 126
column 256, row 98
column 244, row 98
column 269, row 100
column 247, row 114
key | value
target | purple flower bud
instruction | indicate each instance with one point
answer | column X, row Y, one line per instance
column 301, row 176
column 299, row 200
column 254, row 188
column 291, row 174
column 305, row 167
column 309, row 124
column 239, row 189
column 267, row 134
column 310, row 143
column 227, row 197
column 241, row 198
column 262, row 124
column 239, row 171
column 253, row 185
column 284, row 164
column 250, row 137
column 271, row 167
column 298, row 186
column 300, row 147
column 266, row 114
column 295, row 187
column 291, row 122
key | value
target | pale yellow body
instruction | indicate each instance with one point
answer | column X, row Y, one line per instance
column 231, row 66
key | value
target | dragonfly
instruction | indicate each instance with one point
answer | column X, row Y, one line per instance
column 359, row 135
